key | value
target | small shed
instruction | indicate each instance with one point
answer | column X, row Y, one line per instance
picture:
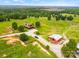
column 55, row 38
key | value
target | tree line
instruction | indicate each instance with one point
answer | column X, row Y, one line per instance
column 23, row 13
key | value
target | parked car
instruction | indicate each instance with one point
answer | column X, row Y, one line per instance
column 36, row 37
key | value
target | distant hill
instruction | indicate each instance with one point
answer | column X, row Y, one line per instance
column 24, row 6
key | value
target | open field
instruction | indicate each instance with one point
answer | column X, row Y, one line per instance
column 19, row 51
column 5, row 27
column 47, row 27
column 39, row 29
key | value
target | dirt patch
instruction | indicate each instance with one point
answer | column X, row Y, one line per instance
column 9, row 29
column 12, row 40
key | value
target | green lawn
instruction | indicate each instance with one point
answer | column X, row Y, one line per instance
column 5, row 27
column 19, row 51
column 73, row 33
column 47, row 27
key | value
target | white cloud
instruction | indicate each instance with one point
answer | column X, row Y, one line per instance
column 22, row 1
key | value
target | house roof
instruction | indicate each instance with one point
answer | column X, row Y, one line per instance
column 56, row 36
column 78, row 45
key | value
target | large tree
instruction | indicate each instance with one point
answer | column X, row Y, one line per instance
column 49, row 17
column 21, row 28
column 37, row 24
column 57, row 18
column 23, row 37
column 14, row 25
column 70, row 18
column 63, row 17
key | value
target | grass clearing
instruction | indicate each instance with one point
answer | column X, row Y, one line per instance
column 5, row 25
column 48, row 27
column 19, row 51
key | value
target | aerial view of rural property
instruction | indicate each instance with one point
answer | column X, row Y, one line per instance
column 39, row 28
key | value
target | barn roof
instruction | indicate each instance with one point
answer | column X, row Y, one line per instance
column 56, row 36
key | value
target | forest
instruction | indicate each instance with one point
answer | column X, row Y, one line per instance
column 6, row 14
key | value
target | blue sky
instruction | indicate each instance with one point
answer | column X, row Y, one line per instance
column 41, row 2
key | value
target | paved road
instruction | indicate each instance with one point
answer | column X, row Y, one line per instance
column 53, row 47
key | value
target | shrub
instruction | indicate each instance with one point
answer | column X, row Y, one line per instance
column 23, row 37
column 21, row 28
column 47, row 47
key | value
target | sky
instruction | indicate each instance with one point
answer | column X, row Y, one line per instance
column 41, row 2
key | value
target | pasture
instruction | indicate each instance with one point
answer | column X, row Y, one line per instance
column 18, row 51
column 48, row 27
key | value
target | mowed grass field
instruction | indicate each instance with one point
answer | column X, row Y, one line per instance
column 5, row 27
column 19, row 51
column 48, row 27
